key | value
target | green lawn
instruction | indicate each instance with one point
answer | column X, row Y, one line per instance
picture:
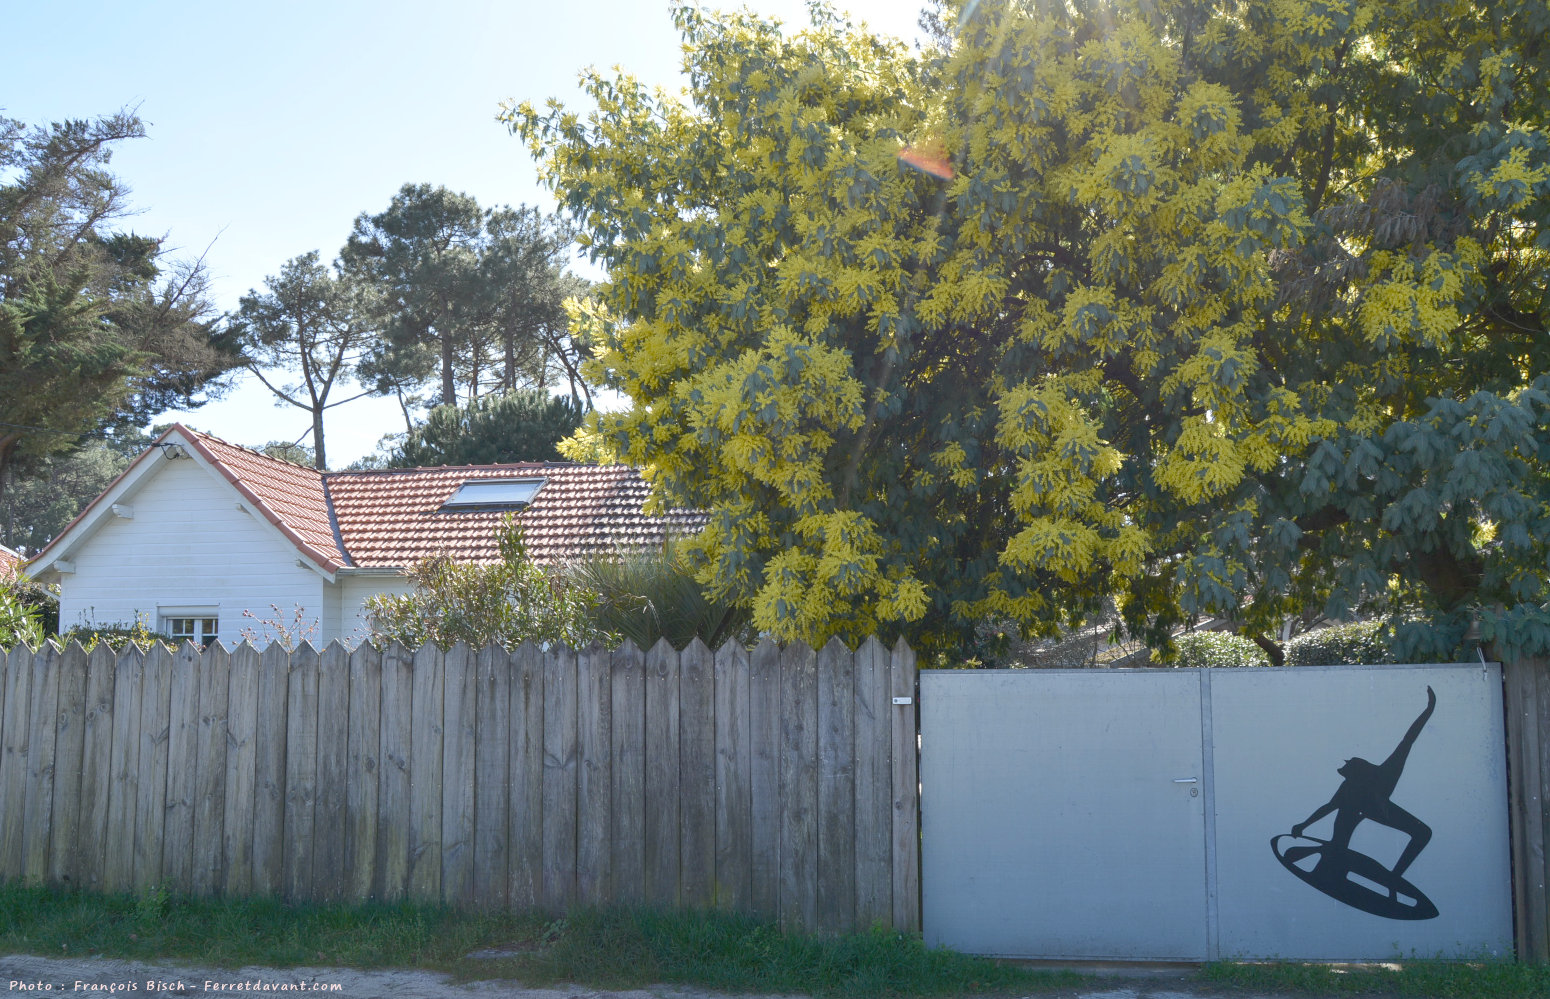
column 624, row 949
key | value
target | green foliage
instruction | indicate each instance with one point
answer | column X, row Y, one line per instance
column 651, row 595
column 1358, row 643
column 117, row 636
column 492, row 429
column 297, row 454
column 243, row 932
column 1216, row 649
column 46, row 493
column 42, row 600
column 311, row 323
column 465, row 294
column 507, row 602
column 97, row 328
column 1211, row 309
column 725, row 952
column 20, row 622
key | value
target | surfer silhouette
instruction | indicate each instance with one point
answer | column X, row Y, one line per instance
column 1365, row 794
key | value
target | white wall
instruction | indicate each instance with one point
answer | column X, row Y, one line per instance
column 349, row 596
column 187, row 546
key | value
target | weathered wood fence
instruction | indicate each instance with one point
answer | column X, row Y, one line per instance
column 1527, row 703
column 781, row 782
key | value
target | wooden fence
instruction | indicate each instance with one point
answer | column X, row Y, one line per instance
column 781, row 782
column 1527, row 704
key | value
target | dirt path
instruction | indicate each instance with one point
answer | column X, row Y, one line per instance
column 25, row 975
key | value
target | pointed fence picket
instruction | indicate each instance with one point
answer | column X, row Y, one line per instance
column 776, row 781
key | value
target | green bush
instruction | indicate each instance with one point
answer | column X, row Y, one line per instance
column 1359, row 643
column 115, row 636
column 510, row 602
column 1216, row 649
column 650, row 595
column 19, row 621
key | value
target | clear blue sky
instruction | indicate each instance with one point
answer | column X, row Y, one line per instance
column 271, row 126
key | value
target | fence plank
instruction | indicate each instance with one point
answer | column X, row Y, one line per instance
column 764, row 778
column 177, row 847
column 155, row 722
column 41, row 747
column 663, row 839
column 1513, row 686
column 526, row 824
column 393, row 836
column 209, row 868
column 301, row 770
column 425, row 735
column 119, row 860
column 96, row 766
column 836, row 788
column 492, row 776
column 734, row 797
column 1527, row 687
column 237, row 813
column 64, row 856
column 559, row 781
column 7, row 669
column 269, row 780
column 331, row 817
column 361, row 775
column 798, row 789
column 13, row 762
column 457, row 777
column 906, row 794
column 594, row 789
column 874, row 787
column 1539, row 841
column 628, row 772
column 697, row 775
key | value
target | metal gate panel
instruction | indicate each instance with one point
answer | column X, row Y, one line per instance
column 1353, row 814
column 1062, row 813
column 1281, row 740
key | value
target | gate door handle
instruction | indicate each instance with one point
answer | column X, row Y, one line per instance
column 1184, row 780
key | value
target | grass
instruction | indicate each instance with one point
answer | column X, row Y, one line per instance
column 610, row 948
column 620, row 949
column 1487, row 979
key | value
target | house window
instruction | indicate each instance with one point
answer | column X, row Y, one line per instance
column 199, row 630
column 493, row 494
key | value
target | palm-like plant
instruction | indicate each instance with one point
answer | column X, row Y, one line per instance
column 649, row 595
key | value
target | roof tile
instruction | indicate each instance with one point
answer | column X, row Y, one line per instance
column 396, row 517
column 392, row 518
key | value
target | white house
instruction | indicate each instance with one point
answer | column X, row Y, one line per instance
column 202, row 539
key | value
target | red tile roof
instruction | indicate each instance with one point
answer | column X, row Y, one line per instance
column 391, row 518
column 288, row 495
column 394, row 518
column 10, row 561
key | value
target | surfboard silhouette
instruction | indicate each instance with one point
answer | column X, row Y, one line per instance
column 1365, row 795
column 1379, row 891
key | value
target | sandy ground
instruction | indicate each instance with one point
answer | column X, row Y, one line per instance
column 82, row 977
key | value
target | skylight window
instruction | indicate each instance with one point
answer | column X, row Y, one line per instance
column 493, row 493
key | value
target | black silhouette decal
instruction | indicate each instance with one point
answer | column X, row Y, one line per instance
column 1355, row 878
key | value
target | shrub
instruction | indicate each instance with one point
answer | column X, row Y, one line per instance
column 509, row 602
column 1359, row 643
column 115, row 636
column 1216, row 649
column 20, row 623
column 650, row 595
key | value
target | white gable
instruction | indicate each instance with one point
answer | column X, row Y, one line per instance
column 188, row 546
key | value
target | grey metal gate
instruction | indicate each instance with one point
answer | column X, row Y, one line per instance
column 1337, row 813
